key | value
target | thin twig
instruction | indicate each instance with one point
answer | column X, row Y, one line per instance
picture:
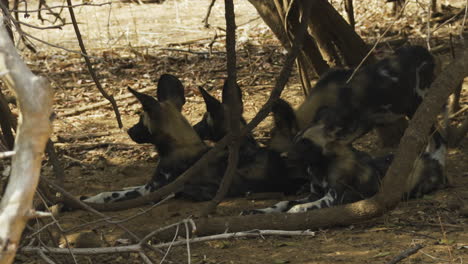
column 462, row 28
column 45, row 257
column 7, row 154
column 405, row 254
column 428, row 37
column 444, row 234
column 187, row 238
column 170, row 245
column 109, row 221
column 76, row 202
column 194, row 52
column 234, row 109
column 54, row 220
column 208, row 12
column 110, row 98
column 251, row 233
column 144, row 257
column 59, row 6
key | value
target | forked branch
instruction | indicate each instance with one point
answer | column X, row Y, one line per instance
column 34, row 98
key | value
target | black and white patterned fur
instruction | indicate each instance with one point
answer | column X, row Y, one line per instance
column 378, row 94
column 264, row 164
column 179, row 147
column 341, row 174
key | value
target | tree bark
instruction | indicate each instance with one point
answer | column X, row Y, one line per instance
column 336, row 39
column 330, row 36
column 5, row 19
column 350, row 11
column 35, row 103
column 234, row 108
column 311, row 58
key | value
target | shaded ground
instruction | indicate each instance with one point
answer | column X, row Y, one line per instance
column 131, row 46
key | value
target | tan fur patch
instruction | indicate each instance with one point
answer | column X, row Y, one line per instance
column 173, row 126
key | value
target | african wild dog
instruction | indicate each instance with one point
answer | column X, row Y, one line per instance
column 377, row 94
column 179, row 147
column 264, row 164
column 340, row 174
column 215, row 122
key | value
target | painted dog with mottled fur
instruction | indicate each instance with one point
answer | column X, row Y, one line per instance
column 339, row 174
column 347, row 106
column 179, row 147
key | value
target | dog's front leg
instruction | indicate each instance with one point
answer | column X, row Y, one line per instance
column 326, row 201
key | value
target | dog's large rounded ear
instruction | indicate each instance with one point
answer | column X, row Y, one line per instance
column 170, row 88
column 213, row 106
column 148, row 102
column 236, row 95
column 284, row 117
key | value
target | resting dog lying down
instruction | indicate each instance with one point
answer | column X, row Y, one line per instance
column 339, row 174
column 179, row 147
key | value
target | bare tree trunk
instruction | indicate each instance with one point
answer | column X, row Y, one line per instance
column 35, row 104
column 434, row 6
column 397, row 6
column 336, row 38
column 331, row 37
column 350, row 11
column 312, row 59
column 234, row 108
column 5, row 19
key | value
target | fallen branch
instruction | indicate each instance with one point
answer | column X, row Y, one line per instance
column 34, row 127
column 405, row 254
column 137, row 247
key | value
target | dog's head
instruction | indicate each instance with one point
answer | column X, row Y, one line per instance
column 285, row 127
column 161, row 122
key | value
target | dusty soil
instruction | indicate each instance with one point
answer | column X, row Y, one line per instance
column 132, row 45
